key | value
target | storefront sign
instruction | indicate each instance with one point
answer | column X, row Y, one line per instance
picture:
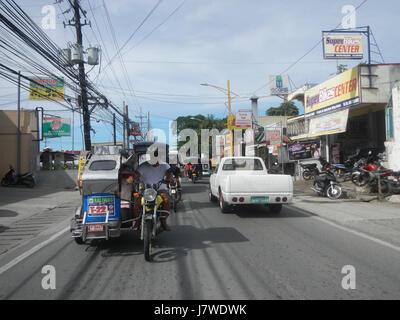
column 272, row 136
column 243, row 119
column 219, row 145
column 331, row 123
column 46, row 89
column 56, row 127
column 335, row 94
column 279, row 84
column 342, row 46
column 304, row 150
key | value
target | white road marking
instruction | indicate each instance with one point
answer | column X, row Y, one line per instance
column 32, row 251
column 358, row 233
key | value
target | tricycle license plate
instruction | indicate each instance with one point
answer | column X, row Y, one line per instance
column 259, row 199
column 95, row 227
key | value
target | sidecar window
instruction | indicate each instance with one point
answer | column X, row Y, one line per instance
column 103, row 165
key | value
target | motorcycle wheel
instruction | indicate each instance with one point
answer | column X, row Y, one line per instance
column 334, row 192
column 147, row 234
column 174, row 204
column 5, row 183
column 29, row 182
column 79, row 240
column 358, row 179
column 307, row 175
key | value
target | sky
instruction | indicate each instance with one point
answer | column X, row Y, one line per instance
column 186, row 42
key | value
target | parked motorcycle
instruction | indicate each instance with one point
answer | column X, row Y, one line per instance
column 309, row 170
column 12, row 179
column 325, row 184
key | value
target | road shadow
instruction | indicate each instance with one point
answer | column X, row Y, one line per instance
column 168, row 246
column 7, row 213
column 262, row 212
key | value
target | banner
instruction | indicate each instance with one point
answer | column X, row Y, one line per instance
column 329, row 124
column 279, row 84
column 46, row 89
column 304, row 150
column 56, row 127
column 344, row 46
column 334, row 94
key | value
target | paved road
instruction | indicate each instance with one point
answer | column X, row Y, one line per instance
column 248, row 254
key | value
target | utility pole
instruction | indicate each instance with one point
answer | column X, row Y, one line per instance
column 114, row 130
column 82, row 78
column 19, row 126
column 123, row 126
column 230, row 118
column 127, row 125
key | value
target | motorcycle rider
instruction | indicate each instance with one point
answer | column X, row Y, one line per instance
column 176, row 174
column 151, row 174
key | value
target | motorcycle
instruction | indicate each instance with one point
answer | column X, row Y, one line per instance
column 309, row 170
column 151, row 216
column 173, row 192
column 12, row 179
column 194, row 176
column 326, row 185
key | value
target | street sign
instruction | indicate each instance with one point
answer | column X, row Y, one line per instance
column 244, row 119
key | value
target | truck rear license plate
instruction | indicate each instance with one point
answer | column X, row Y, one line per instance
column 259, row 200
column 95, row 227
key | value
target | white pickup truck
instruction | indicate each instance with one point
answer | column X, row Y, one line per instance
column 245, row 180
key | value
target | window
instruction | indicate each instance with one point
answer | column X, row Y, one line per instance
column 242, row 164
column 103, row 165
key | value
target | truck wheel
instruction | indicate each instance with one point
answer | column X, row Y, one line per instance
column 275, row 208
column 222, row 204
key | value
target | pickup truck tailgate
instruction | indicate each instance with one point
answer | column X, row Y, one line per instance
column 268, row 183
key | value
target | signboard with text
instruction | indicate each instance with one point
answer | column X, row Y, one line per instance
column 56, row 127
column 334, row 94
column 46, row 89
column 244, row 119
column 342, row 46
column 279, row 84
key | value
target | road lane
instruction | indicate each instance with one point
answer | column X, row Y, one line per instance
column 248, row 254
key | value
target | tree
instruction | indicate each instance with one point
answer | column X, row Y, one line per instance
column 285, row 109
column 198, row 122
column 341, row 68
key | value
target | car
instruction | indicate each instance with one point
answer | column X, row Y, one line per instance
column 238, row 181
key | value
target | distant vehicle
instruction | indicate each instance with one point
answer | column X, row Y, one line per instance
column 245, row 180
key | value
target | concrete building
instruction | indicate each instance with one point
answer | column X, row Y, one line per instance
column 347, row 112
column 29, row 146
column 393, row 129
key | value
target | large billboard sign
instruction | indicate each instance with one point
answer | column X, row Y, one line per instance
column 342, row 46
column 279, row 85
column 334, row 94
column 56, row 127
column 46, row 89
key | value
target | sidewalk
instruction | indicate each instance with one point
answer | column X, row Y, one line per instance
column 25, row 213
column 380, row 219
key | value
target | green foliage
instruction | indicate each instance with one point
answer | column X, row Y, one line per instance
column 197, row 123
column 285, row 109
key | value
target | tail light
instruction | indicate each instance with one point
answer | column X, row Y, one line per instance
column 284, row 199
column 234, row 199
column 241, row 199
column 278, row 199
